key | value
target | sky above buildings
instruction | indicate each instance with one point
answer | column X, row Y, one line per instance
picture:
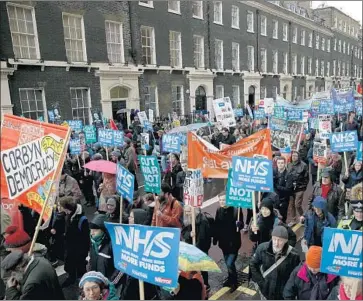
column 351, row 8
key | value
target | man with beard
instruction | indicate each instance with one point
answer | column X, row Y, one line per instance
column 31, row 278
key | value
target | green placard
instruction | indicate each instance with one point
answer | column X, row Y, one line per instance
column 237, row 196
column 90, row 134
column 150, row 169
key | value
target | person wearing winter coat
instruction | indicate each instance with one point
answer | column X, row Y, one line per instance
column 271, row 285
column 228, row 237
column 227, row 138
column 344, row 290
column 267, row 220
column 171, row 176
column 138, row 203
column 282, row 186
column 335, row 166
column 305, row 145
column 56, row 241
column 299, row 173
column 313, row 166
column 68, row 186
column 216, row 137
column 355, row 222
column 306, row 282
column 107, row 188
column 77, row 240
column 95, row 286
column 33, row 278
column 355, row 175
column 315, row 221
column 86, row 183
column 330, row 191
column 179, row 185
column 190, row 287
column 113, row 210
column 130, row 162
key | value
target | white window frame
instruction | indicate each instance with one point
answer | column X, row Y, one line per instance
column 294, row 93
column 263, row 26
column 44, row 104
column 348, row 49
column 251, row 63
column 335, row 44
column 327, row 68
column 149, row 102
column 172, row 10
column 35, row 30
column 251, row 28
column 218, row 43
column 294, row 63
column 275, row 29
column 152, row 46
column 348, row 69
column 285, row 32
column 235, row 26
column 322, row 68
column 89, row 103
column 218, row 4
column 275, row 62
column 219, row 88
column 236, row 61
column 334, row 67
column 344, row 47
column 178, row 52
column 310, row 66
column 83, row 37
column 317, row 42
column 121, row 45
column 317, row 67
column 328, row 45
column 302, row 65
column 302, row 37
column 263, row 53
column 345, row 26
column 285, row 69
column 322, row 44
column 294, row 35
column 200, row 53
column 149, row 4
column 174, row 93
column 310, row 40
column 339, row 71
column 236, row 102
column 343, row 68
column 339, row 46
column 200, row 5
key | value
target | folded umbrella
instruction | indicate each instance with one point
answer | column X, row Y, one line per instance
column 101, row 166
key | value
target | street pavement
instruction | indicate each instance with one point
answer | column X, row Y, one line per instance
column 210, row 205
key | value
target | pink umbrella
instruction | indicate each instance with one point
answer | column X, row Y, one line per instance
column 101, row 166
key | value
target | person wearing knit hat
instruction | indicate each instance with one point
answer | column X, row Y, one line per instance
column 95, row 286
column 16, row 239
column 306, row 282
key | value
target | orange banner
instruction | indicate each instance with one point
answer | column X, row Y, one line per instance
column 215, row 163
column 32, row 157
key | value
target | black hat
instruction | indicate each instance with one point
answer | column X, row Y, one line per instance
column 357, row 206
column 98, row 222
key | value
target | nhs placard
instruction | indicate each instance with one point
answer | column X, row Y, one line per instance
column 125, row 182
column 344, row 141
column 342, row 252
column 171, row 143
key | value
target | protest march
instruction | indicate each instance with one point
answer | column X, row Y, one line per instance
column 262, row 202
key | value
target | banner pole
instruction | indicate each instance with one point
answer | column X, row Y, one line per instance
column 171, row 169
column 318, row 173
column 37, row 228
column 107, row 153
column 141, row 290
column 300, row 136
column 346, row 163
column 193, row 226
column 79, row 163
column 238, row 215
column 254, row 209
column 121, row 208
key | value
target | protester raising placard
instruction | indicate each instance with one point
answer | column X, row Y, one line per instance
column 193, row 188
column 125, row 182
column 236, row 196
column 224, row 111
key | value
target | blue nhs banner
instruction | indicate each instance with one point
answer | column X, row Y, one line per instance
column 171, row 143
column 360, row 151
column 110, row 137
column 260, row 114
column 146, row 253
column 237, row 196
column 253, row 173
column 124, row 182
column 75, row 125
column 295, row 115
column 75, row 146
column 342, row 253
column 344, row 141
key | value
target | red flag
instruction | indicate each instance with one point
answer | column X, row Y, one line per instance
column 113, row 125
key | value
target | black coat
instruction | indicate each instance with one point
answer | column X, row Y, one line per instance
column 230, row 139
column 299, row 173
column 216, row 139
column 130, row 289
column 272, row 287
column 40, row 283
column 282, row 186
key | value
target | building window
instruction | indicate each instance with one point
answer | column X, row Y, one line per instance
column 274, row 92
column 328, row 68
column 334, row 67
column 235, row 56
column 235, row 17
column 302, row 65
column 198, row 9
column 218, row 12
column 219, row 91
column 148, row 45
column 302, row 92
column 322, row 68
column 316, row 67
column 339, row 69
column 310, row 42
column 348, row 49
column 198, row 51
column 335, row 22
column 339, row 46
column 263, row 60
column 114, row 40
column 250, row 21
column 251, row 58
column 302, row 37
column 235, row 96
column 74, row 38
column 343, row 68
column 32, row 103
column 348, row 70
column 286, row 64
column 344, row 26
column 80, row 100
column 352, row 31
column 150, row 98
column 219, row 54
column 335, row 45
column 294, row 64
column 174, row 7
column 310, row 65
column 294, row 97
column 323, row 44
column 317, row 41
column 285, row 36
column 348, row 29
column 23, row 30
column 275, row 29
column 175, row 49
column 294, row 35
column 340, row 24
column 178, row 100
column 263, row 92
column 328, row 45
column 147, row 3
column 355, row 70
column 275, row 59
column 263, row 26
column 344, row 47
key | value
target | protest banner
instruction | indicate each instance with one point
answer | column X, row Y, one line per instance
column 236, row 196
column 286, row 153
column 343, row 101
column 151, row 115
column 75, row 125
column 314, row 123
column 215, row 163
column 280, row 139
column 171, row 143
column 148, row 126
column 342, row 252
column 75, row 146
column 324, row 128
column 279, row 112
column 150, row 170
column 260, row 114
column 125, row 183
column 32, row 157
column 145, row 143
column 320, row 152
column 253, row 173
column 109, row 137
column 224, row 112
column 193, row 188
column 238, row 112
column 359, row 106
column 294, row 115
column 149, row 254
column 269, row 106
column 360, row 151
column 278, row 124
column 142, row 117
column 344, row 141
column 90, row 134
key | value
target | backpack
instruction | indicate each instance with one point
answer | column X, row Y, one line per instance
column 181, row 218
column 80, row 222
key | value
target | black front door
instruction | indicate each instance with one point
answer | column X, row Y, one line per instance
column 121, row 117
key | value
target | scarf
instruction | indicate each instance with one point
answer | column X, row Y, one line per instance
column 97, row 241
column 343, row 296
column 325, row 188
